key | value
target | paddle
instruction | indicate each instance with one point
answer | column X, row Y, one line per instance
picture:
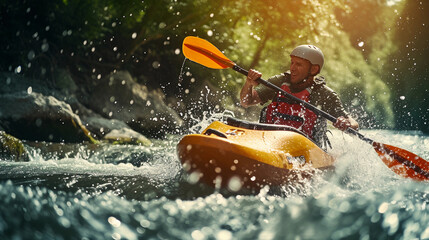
column 400, row 161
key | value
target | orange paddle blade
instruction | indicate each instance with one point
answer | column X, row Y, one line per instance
column 403, row 162
column 203, row 52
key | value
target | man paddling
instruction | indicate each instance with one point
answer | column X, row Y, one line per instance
column 303, row 82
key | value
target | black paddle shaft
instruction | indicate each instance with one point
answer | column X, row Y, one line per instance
column 304, row 103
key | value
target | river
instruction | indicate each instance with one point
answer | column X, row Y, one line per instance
column 79, row 191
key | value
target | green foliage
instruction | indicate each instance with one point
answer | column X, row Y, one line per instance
column 362, row 20
column 362, row 91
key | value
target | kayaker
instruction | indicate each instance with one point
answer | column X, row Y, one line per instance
column 302, row 81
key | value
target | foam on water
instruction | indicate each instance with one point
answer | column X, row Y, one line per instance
column 134, row 192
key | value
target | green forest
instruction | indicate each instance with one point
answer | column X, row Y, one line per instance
column 375, row 50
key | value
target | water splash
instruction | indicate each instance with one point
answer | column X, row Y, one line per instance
column 101, row 192
column 207, row 119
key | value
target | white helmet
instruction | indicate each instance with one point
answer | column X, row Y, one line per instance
column 310, row 53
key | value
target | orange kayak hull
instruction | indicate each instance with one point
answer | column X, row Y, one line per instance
column 225, row 156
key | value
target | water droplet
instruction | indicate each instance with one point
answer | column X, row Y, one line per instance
column 134, row 35
column 18, row 69
column 38, row 122
column 45, row 47
column 360, row 44
column 224, row 235
column 198, row 235
column 145, row 223
column 235, row 184
column 383, row 207
column 194, row 177
column 210, row 33
column 114, row 221
column 402, row 97
column 31, row 55
column 156, row 64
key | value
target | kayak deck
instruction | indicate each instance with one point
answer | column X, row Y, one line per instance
column 226, row 155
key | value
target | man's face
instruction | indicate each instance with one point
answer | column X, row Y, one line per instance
column 299, row 69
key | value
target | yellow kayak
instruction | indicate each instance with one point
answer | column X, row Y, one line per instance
column 241, row 154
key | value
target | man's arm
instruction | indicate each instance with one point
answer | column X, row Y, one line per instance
column 248, row 94
column 332, row 104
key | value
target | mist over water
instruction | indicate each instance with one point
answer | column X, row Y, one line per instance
column 77, row 191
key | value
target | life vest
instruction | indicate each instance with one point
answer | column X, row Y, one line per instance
column 285, row 111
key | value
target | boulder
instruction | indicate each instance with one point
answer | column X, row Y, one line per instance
column 118, row 96
column 111, row 130
column 101, row 126
column 36, row 117
column 12, row 148
column 127, row 136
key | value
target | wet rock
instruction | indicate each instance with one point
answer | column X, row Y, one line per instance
column 101, row 126
column 94, row 122
column 12, row 148
column 36, row 117
column 115, row 130
column 118, row 96
column 127, row 136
